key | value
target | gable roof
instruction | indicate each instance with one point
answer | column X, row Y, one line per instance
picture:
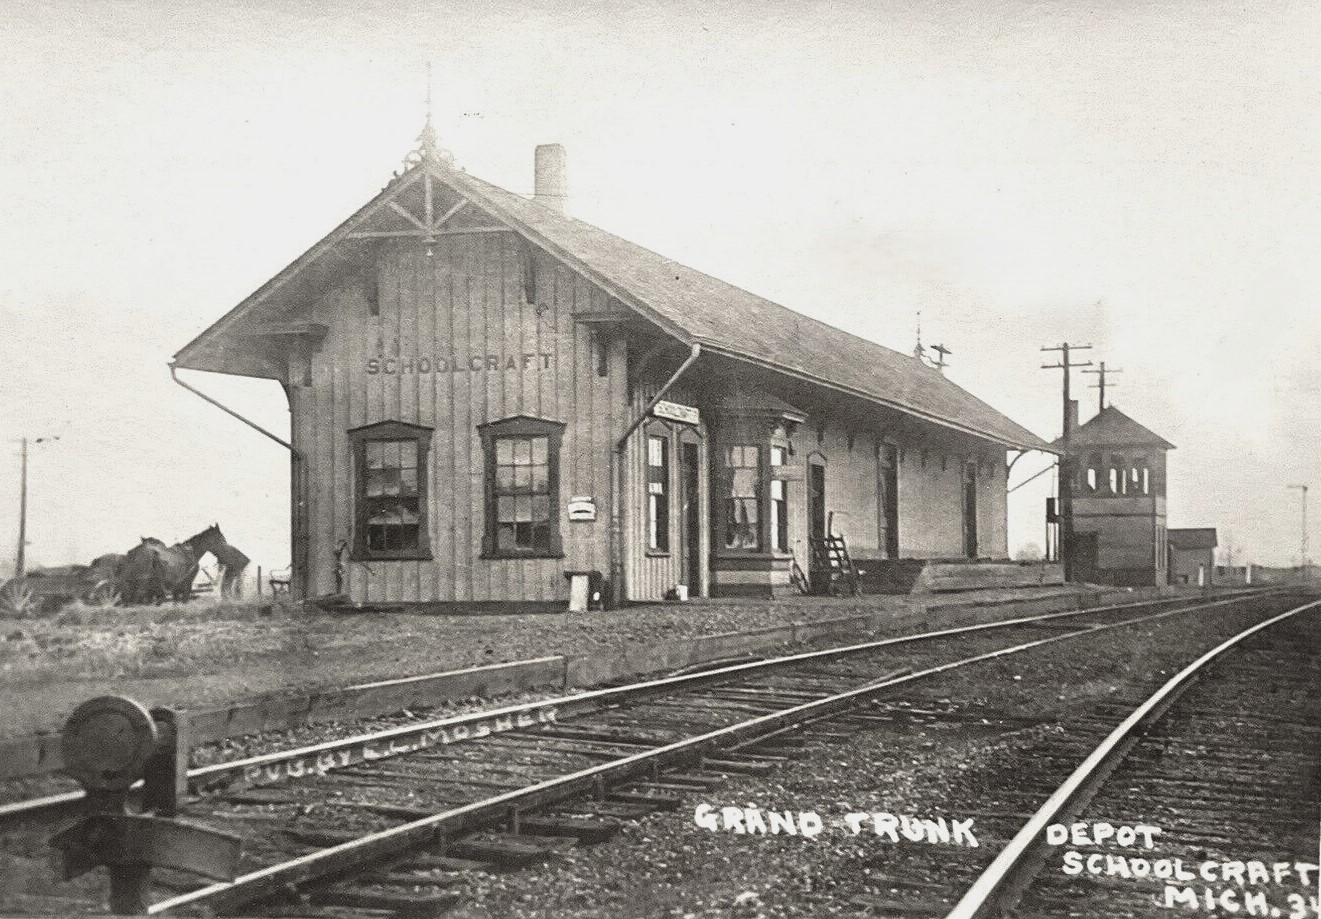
column 1192, row 538
column 695, row 308
column 1112, row 428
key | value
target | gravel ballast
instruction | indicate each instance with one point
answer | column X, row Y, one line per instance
column 668, row 866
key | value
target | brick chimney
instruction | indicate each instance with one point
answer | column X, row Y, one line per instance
column 1073, row 416
column 551, row 186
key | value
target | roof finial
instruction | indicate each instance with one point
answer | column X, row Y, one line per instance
column 918, row 351
column 428, row 147
column 941, row 353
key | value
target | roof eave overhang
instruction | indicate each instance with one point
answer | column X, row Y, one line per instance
column 1013, row 443
column 189, row 356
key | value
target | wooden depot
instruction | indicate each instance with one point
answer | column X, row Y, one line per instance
column 462, row 364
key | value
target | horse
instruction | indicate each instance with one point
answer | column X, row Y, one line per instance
column 153, row 572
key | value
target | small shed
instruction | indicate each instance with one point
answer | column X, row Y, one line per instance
column 1192, row 555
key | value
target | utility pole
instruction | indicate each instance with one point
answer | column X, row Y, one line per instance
column 20, row 563
column 1302, row 546
column 1066, row 461
column 1103, row 374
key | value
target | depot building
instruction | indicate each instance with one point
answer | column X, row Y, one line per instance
column 488, row 395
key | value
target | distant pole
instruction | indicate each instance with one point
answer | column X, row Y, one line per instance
column 1103, row 373
column 1066, row 461
column 20, row 563
column 1302, row 545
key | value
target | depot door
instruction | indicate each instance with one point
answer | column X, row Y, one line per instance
column 887, row 486
column 690, row 520
column 816, row 500
column 1084, row 557
column 970, row 510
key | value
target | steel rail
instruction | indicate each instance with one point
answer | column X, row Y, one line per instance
column 316, row 759
column 312, row 760
column 1005, row 877
column 351, row 855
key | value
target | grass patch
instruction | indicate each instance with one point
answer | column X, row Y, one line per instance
column 113, row 642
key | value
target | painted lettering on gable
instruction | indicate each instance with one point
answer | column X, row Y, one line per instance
column 473, row 363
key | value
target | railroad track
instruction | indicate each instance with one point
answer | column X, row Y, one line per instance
column 278, row 764
column 1218, row 776
column 431, row 807
column 406, row 827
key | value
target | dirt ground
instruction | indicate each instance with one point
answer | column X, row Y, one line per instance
column 200, row 654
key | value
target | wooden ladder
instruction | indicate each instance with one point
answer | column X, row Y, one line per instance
column 832, row 568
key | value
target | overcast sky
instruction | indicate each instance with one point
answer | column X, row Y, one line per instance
column 1138, row 176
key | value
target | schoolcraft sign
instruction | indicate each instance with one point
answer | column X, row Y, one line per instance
column 673, row 411
column 473, row 363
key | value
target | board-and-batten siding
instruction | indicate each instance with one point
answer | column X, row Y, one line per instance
column 649, row 575
column 466, row 299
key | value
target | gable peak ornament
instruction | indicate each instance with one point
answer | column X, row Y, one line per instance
column 428, row 149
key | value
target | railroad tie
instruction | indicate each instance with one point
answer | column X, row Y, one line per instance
column 739, row 766
column 505, row 850
column 412, row 906
column 618, row 810
column 586, row 830
column 426, row 861
column 655, row 802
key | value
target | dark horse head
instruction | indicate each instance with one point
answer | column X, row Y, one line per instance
column 206, row 541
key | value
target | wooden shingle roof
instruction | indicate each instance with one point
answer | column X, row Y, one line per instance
column 1112, row 428
column 688, row 304
column 734, row 322
column 1192, row 538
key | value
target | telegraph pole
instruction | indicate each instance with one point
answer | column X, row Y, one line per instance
column 1066, row 461
column 20, row 563
column 1103, row 374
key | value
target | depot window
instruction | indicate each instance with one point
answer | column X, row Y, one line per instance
column 390, row 491
column 658, row 493
column 742, row 520
column 779, row 502
column 522, row 488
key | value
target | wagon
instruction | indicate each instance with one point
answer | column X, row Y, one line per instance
column 46, row 590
